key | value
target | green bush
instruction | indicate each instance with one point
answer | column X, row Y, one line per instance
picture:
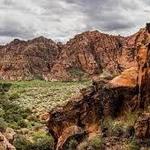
column 2, row 112
column 45, row 143
column 131, row 117
column 22, row 123
column 76, row 73
column 21, row 143
column 42, row 143
column 4, row 87
column 96, row 142
column 71, row 145
column 3, row 125
column 14, row 96
column 114, row 128
column 11, row 112
column 132, row 145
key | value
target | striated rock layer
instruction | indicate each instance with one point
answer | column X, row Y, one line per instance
column 107, row 98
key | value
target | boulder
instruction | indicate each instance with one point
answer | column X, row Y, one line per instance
column 4, row 143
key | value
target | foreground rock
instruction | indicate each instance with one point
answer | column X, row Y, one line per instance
column 4, row 143
column 106, row 98
column 101, row 100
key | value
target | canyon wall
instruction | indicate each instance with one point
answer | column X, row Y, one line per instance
column 127, row 92
column 87, row 55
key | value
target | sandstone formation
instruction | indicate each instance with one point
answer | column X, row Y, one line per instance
column 92, row 53
column 107, row 98
column 102, row 99
column 89, row 53
column 26, row 60
column 86, row 55
column 4, row 143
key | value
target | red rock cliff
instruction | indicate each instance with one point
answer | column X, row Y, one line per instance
column 26, row 60
column 127, row 92
column 93, row 52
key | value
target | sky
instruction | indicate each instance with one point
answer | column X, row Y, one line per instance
column 60, row 20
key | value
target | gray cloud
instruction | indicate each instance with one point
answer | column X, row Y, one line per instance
column 61, row 19
column 11, row 28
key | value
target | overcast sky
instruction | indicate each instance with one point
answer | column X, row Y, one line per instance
column 62, row 19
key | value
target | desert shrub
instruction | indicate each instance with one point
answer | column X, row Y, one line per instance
column 11, row 112
column 21, row 143
column 4, row 87
column 131, row 117
column 13, row 125
column 96, row 142
column 2, row 112
column 3, row 125
column 132, row 145
column 45, row 143
column 39, row 135
column 117, row 130
column 14, row 96
column 22, row 123
column 114, row 128
column 76, row 73
column 72, row 144
column 42, row 142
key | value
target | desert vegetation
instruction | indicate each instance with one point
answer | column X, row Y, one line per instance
column 22, row 103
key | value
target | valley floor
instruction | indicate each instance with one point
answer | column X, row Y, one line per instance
column 24, row 108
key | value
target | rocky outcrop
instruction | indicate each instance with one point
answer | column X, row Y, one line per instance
column 4, row 143
column 106, row 98
column 143, row 59
column 88, row 53
column 91, row 53
column 26, row 60
column 102, row 99
column 142, row 126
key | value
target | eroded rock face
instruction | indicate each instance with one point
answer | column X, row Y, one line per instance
column 143, row 59
column 142, row 126
column 91, row 53
column 127, row 92
column 78, row 116
column 102, row 99
column 26, row 60
column 86, row 55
